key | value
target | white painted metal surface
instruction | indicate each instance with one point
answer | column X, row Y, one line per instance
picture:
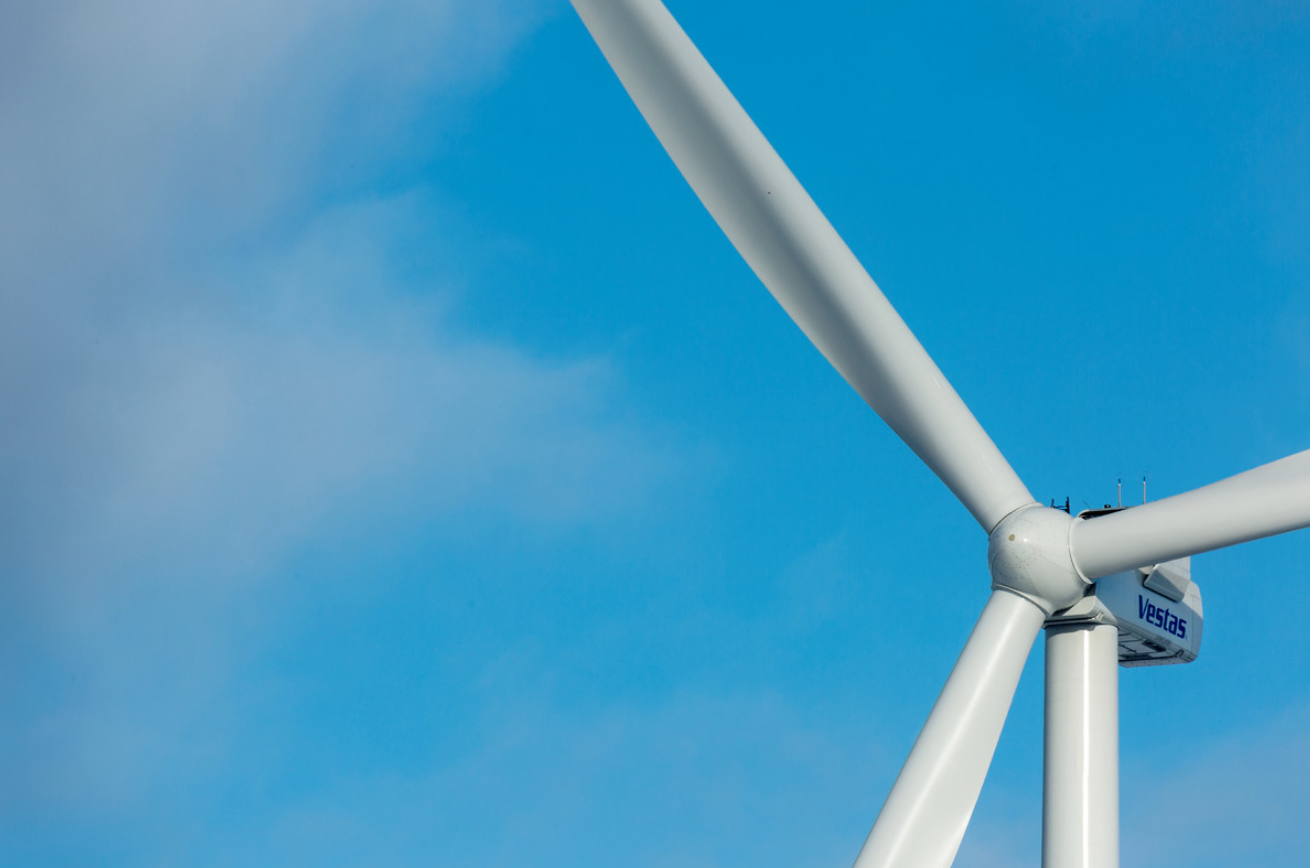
column 1080, row 805
column 1153, row 629
column 794, row 250
column 923, row 820
column 1041, row 563
column 1028, row 553
column 1170, row 579
column 1271, row 499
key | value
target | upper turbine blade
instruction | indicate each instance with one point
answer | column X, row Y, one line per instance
column 923, row 820
column 793, row 249
column 1270, row 499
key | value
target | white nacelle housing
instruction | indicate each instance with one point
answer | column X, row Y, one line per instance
column 1157, row 610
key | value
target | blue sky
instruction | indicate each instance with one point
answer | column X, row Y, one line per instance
column 399, row 467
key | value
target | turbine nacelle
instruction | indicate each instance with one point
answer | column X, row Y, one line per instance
column 1029, row 554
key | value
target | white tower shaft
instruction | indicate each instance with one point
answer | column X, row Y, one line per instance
column 1080, row 810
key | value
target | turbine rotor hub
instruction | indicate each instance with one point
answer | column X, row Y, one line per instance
column 1028, row 553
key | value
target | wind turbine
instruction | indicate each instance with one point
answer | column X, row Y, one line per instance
column 1100, row 583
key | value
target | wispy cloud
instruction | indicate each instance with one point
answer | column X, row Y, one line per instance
column 551, row 786
column 131, row 123
column 212, row 337
column 1237, row 802
column 228, row 427
column 227, row 333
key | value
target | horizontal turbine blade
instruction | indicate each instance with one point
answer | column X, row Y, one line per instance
column 923, row 820
column 793, row 249
column 1271, row 499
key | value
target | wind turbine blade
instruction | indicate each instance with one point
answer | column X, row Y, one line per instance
column 793, row 249
column 1271, row 499
column 923, row 820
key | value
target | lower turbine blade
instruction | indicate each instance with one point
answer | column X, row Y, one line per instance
column 1271, row 499
column 923, row 820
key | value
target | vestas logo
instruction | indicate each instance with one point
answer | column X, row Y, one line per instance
column 1162, row 618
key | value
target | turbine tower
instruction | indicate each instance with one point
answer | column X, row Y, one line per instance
column 1107, row 585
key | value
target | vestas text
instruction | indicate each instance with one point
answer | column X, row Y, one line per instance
column 1162, row 618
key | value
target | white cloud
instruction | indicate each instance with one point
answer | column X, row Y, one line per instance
column 122, row 118
column 160, row 393
column 694, row 780
column 1239, row 802
column 234, row 429
column 203, row 366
